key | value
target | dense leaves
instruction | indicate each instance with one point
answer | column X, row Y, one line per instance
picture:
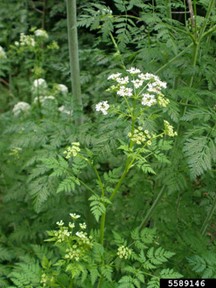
column 148, row 207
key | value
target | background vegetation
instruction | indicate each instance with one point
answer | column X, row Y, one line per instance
column 163, row 213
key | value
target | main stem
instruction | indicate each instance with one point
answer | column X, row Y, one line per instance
column 74, row 61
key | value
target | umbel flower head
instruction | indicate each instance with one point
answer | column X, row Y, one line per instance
column 146, row 88
column 39, row 86
column 103, row 107
column 41, row 33
column 62, row 88
column 124, row 252
column 72, row 150
column 40, row 82
column 20, row 107
column 168, row 129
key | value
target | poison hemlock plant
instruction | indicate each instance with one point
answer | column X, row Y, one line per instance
column 124, row 175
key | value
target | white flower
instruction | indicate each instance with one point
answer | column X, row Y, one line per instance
column 71, row 225
column 123, row 80
column 114, row 76
column 102, row 106
column 74, row 216
column 40, row 82
column 148, row 76
column 41, row 33
column 60, row 223
column 62, row 88
column 83, row 226
column 148, row 100
column 50, row 97
column 81, row 234
column 137, row 83
column 133, row 70
column 155, row 87
column 2, row 53
column 161, row 84
column 62, row 109
column 20, row 107
column 125, row 91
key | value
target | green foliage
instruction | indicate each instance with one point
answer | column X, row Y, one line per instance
column 114, row 183
column 203, row 265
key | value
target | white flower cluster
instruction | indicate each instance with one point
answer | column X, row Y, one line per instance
column 39, row 83
column 64, row 110
column 146, row 87
column 124, row 252
column 72, row 151
column 102, row 106
column 20, row 107
column 39, row 89
column 26, row 40
column 139, row 136
column 41, row 33
column 74, row 216
column 80, row 242
column 62, row 88
column 2, row 53
column 43, row 99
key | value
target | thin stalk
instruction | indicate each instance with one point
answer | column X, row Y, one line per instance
column 117, row 50
column 102, row 228
column 74, row 61
column 208, row 218
column 191, row 11
column 208, row 14
column 168, row 9
column 151, row 210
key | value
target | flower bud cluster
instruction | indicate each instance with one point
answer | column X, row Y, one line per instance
column 124, row 252
column 72, row 150
column 168, row 129
column 78, row 242
column 47, row 280
column 140, row 137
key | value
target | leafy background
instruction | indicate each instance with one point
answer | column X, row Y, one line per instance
column 36, row 190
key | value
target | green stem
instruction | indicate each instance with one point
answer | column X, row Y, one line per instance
column 151, row 210
column 168, row 9
column 208, row 218
column 208, row 14
column 74, row 60
column 102, row 228
column 118, row 53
